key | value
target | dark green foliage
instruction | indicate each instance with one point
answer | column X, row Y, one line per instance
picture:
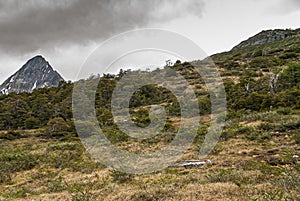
column 258, row 53
column 5, row 177
column 245, row 130
column 11, row 135
column 266, row 126
column 204, row 105
column 51, row 108
column 57, row 127
column 32, row 122
column 264, row 62
column 69, row 155
column 291, row 76
column 114, row 135
column 231, row 65
column 121, row 177
column 288, row 55
column 258, row 136
column 17, row 160
column 297, row 136
column 284, row 111
column 141, row 117
column 34, row 110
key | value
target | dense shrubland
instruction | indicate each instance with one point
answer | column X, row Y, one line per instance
column 52, row 108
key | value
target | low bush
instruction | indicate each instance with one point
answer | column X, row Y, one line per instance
column 284, row 111
column 11, row 135
column 266, row 126
column 288, row 55
column 297, row 136
column 17, row 160
column 257, row 136
column 121, row 177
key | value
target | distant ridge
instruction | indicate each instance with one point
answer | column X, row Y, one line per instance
column 268, row 36
column 36, row 73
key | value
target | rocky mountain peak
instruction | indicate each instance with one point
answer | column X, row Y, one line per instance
column 36, row 73
column 268, row 36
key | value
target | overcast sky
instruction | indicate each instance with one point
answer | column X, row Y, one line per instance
column 66, row 32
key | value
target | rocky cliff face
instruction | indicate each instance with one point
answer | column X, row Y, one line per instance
column 36, row 73
column 268, row 36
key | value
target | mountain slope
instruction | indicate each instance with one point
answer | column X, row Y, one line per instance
column 36, row 73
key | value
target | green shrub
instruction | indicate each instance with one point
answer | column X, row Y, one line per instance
column 284, row 111
column 266, row 126
column 141, row 117
column 227, row 135
column 288, row 55
column 17, row 160
column 292, row 125
column 57, row 128
column 264, row 62
column 65, row 146
column 257, row 136
column 297, row 136
column 32, row 122
column 258, row 53
column 115, row 136
column 204, row 105
column 245, row 130
column 290, row 77
column 231, row 65
column 55, row 185
column 121, row 177
column 81, row 191
column 5, row 177
column 11, row 135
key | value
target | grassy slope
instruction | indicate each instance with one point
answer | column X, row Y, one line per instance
column 245, row 166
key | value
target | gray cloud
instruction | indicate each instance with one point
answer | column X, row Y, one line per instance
column 291, row 4
column 28, row 26
column 297, row 2
column 287, row 6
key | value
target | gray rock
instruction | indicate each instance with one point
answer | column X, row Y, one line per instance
column 267, row 37
column 36, row 73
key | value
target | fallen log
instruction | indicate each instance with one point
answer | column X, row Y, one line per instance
column 191, row 163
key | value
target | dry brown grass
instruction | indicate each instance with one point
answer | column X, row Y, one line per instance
column 241, row 169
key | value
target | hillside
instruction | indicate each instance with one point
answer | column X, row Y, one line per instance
column 256, row 158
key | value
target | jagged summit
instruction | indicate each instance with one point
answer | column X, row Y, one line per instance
column 268, row 36
column 36, row 73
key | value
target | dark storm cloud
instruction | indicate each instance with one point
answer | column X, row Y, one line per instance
column 30, row 25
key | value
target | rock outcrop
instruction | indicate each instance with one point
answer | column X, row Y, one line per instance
column 267, row 37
